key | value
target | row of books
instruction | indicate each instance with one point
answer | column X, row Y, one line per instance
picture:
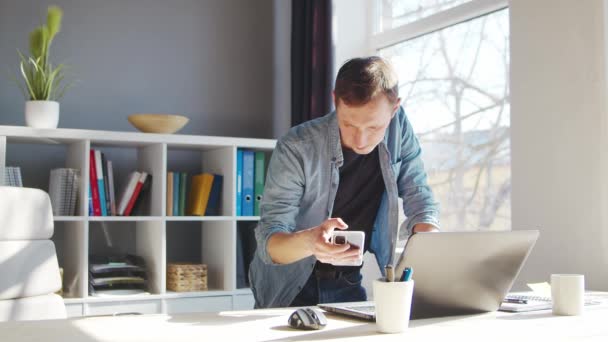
column 102, row 198
column 12, row 176
column 250, row 175
column 203, row 196
column 63, row 191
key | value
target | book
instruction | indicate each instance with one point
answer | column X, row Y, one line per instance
column 169, row 193
column 128, row 191
column 111, row 186
column 138, row 208
column 175, row 193
column 91, row 213
column 239, row 181
column 182, row 193
column 100, row 183
column 258, row 186
column 106, row 182
column 199, row 193
column 213, row 205
column 136, row 192
column 248, row 171
column 93, row 184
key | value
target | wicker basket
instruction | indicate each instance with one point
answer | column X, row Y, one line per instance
column 184, row 277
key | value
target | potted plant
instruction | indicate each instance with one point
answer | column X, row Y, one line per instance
column 42, row 81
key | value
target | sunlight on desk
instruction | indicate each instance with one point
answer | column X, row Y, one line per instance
column 271, row 325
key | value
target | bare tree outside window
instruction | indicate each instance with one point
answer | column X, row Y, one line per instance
column 454, row 85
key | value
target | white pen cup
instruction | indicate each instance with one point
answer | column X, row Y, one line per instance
column 568, row 294
column 393, row 302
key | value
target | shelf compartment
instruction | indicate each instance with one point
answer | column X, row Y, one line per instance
column 35, row 173
column 70, row 239
column 142, row 238
column 216, row 160
column 267, row 155
column 209, row 243
column 126, row 159
column 245, row 247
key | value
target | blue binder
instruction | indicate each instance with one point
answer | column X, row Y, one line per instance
column 239, row 181
column 176, row 193
column 248, row 167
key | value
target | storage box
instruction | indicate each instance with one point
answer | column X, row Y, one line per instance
column 185, row 277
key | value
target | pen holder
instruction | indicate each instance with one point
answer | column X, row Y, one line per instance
column 393, row 301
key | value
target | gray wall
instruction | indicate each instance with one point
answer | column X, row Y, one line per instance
column 209, row 60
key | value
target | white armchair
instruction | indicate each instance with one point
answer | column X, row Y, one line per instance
column 29, row 272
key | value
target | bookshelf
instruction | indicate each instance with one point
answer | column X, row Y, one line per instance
column 158, row 238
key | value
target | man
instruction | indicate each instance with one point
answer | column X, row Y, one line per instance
column 345, row 170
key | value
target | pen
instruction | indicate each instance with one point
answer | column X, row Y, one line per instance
column 407, row 274
column 390, row 274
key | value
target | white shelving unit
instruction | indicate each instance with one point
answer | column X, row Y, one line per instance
column 153, row 153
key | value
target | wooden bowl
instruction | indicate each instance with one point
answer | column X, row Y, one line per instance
column 158, row 123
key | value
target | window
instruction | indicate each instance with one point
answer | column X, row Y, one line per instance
column 452, row 58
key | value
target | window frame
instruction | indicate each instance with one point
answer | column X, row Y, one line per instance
column 435, row 22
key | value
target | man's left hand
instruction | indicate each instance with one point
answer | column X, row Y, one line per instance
column 424, row 227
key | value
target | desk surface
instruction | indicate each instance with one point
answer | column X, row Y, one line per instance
column 271, row 325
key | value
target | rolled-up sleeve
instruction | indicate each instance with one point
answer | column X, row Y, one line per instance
column 419, row 204
column 283, row 192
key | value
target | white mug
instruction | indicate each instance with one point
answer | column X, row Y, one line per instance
column 568, row 294
column 393, row 302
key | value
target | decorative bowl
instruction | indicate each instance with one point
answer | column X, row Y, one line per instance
column 158, row 123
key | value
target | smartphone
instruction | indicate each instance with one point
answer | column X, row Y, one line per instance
column 353, row 238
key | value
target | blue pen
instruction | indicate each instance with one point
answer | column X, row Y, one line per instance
column 407, row 274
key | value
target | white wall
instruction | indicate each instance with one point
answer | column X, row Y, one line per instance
column 559, row 136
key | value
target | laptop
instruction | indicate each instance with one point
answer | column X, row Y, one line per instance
column 456, row 273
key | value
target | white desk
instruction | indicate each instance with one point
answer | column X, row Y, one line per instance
column 271, row 325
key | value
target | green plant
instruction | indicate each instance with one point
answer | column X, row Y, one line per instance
column 42, row 80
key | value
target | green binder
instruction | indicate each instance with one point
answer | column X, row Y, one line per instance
column 258, row 185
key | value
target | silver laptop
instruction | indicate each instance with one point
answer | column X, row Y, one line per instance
column 456, row 273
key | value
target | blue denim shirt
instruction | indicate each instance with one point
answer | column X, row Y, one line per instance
column 301, row 185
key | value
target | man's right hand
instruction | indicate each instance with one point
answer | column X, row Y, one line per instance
column 327, row 252
column 285, row 248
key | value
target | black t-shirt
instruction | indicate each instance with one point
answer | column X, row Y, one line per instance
column 358, row 196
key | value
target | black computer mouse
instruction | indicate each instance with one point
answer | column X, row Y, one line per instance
column 307, row 319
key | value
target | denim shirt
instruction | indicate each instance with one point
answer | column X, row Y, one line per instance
column 301, row 185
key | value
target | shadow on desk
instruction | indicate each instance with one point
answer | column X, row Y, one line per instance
column 323, row 335
column 221, row 318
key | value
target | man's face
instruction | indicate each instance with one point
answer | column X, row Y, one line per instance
column 362, row 128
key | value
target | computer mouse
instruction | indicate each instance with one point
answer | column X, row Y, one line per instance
column 307, row 319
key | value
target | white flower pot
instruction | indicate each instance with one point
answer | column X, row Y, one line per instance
column 42, row 114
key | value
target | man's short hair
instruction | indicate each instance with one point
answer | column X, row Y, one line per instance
column 360, row 80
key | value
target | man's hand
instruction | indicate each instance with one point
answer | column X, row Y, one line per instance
column 285, row 248
column 324, row 250
column 424, row 227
